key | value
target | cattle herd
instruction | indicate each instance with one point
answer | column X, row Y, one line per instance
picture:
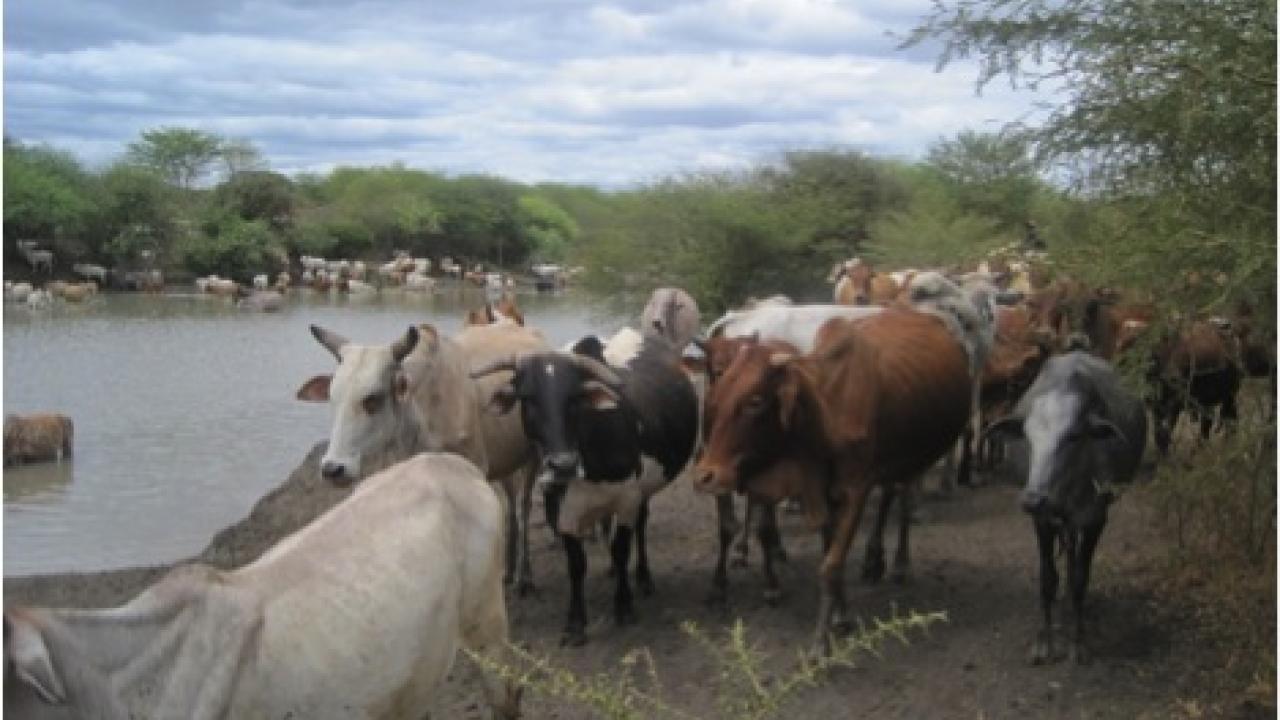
column 449, row 437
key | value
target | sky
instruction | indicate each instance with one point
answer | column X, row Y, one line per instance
column 605, row 93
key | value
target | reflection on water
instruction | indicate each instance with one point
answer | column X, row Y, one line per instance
column 42, row 483
column 184, row 411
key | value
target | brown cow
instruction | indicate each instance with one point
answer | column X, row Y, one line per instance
column 720, row 353
column 876, row 404
column 39, row 437
column 1011, row 367
column 857, row 283
column 504, row 309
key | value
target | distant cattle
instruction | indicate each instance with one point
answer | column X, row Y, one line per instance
column 876, row 403
column 1085, row 435
column 671, row 313
column 857, row 283
column 39, row 437
column 612, row 435
column 358, row 615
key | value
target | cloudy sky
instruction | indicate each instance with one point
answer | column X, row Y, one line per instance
column 594, row 91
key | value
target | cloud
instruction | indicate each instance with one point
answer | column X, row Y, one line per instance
column 569, row 90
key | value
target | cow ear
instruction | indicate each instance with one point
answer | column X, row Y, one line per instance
column 795, row 390
column 316, row 389
column 504, row 398
column 1010, row 426
column 1100, row 428
column 25, row 650
column 599, row 396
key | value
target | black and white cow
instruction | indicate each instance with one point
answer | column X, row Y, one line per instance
column 612, row 434
column 1084, row 434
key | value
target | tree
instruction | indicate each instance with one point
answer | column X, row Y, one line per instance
column 258, row 195
column 548, row 229
column 181, row 155
column 240, row 155
column 1169, row 114
column 46, row 193
column 990, row 174
column 136, row 212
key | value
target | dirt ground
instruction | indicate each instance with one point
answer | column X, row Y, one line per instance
column 974, row 558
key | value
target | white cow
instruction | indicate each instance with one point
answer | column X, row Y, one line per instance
column 358, row 615
column 796, row 324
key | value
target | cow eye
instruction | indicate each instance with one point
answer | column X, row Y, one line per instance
column 754, row 404
column 373, row 403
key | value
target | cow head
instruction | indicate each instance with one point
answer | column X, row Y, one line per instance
column 556, row 392
column 1068, row 438
column 367, row 393
column 764, row 397
column 672, row 315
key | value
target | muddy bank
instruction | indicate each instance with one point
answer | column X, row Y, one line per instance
column 974, row 557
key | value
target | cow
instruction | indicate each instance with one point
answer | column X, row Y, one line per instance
column 672, row 314
column 1085, row 435
column 719, row 353
column 876, row 403
column 1195, row 367
column 261, row 281
column 858, row 284
column 358, row 615
column 795, row 324
column 38, row 437
column 1012, row 365
column 261, row 301
column 612, row 435
column 391, row 401
column 504, row 310
column 88, row 271
column 39, row 260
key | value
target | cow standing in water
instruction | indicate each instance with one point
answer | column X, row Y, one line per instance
column 877, row 403
column 1085, row 434
column 612, row 435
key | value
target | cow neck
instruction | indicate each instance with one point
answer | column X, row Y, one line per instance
column 442, row 401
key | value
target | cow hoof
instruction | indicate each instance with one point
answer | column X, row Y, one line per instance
column 873, row 569
column 780, row 555
column 1080, row 654
column 644, row 583
column 718, row 597
column 900, row 576
column 573, row 637
column 772, row 597
column 841, row 627
column 525, row 588
column 738, row 562
column 625, row 616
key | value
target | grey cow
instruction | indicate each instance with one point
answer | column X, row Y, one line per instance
column 1084, row 433
column 672, row 314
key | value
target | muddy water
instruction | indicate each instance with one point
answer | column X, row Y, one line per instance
column 184, row 411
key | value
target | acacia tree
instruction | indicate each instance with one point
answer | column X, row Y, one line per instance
column 181, row 155
column 1169, row 115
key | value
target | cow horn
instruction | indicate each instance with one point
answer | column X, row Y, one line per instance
column 331, row 340
column 405, row 345
column 507, row 363
column 598, row 370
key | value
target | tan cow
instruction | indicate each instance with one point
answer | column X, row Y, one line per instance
column 358, row 615
column 40, row 437
column 391, row 401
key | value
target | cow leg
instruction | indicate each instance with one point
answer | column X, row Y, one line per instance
column 488, row 635
column 513, row 529
column 1079, row 582
column 620, row 550
column 575, row 630
column 838, row 537
column 1042, row 651
column 728, row 528
column 743, row 546
column 770, row 549
column 524, row 566
column 964, row 475
column 902, row 554
column 873, row 561
column 644, row 577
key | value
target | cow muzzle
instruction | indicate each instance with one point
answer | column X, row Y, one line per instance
column 1035, row 503
column 710, row 480
column 563, row 467
column 338, row 473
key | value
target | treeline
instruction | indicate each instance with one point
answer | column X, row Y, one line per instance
column 190, row 201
